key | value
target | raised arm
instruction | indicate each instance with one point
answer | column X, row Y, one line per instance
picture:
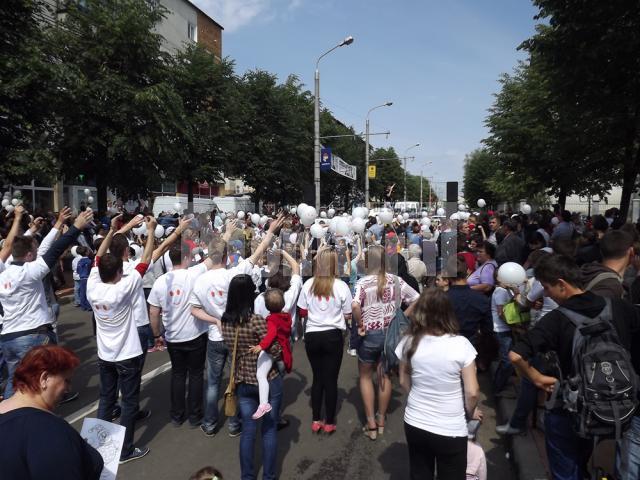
column 60, row 245
column 134, row 222
column 106, row 241
column 15, row 229
column 148, row 248
column 295, row 266
column 275, row 225
column 231, row 227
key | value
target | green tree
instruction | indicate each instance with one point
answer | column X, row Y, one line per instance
column 27, row 84
column 589, row 52
column 388, row 172
column 213, row 117
column 120, row 121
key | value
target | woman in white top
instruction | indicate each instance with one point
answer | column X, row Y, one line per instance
column 326, row 302
column 437, row 369
column 374, row 306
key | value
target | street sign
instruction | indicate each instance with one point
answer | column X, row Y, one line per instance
column 372, row 171
column 343, row 168
column 325, row 159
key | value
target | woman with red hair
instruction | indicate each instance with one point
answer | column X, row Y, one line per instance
column 36, row 444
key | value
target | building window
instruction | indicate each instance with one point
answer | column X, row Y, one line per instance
column 238, row 189
column 192, row 32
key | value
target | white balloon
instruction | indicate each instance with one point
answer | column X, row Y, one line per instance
column 555, row 220
column 481, row 203
column 323, row 214
column 357, row 225
column 316, row 230
column 308, row 216
column 301, row 208
column 15, row 202
column 74, row 250
column 424, row 214
column 255, row 219
column 263, row 220
column 365, row 213
column 240, row 215
column 159, row 231
column 342, row 226
column 223, row 216
column 454, row 216
column 512, row 274
column 426, row 221
column 17, row 193
column 386, row 215
column 405, row 216
column 293, row 210
column 331, row 212
column 5, row 202
column 9, row 208
column 177, row 207
column 143, row 228
column 440, row 212
column 461, row 207
column 424, row 228
column 293, row 237
column 399, row 218
column 526, row 209
column 333, row 224
column 89, row 199
column 87, row 191
column 356, row 212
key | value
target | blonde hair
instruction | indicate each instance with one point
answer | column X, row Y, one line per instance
column 217, row 250
column 375, row 264
column 325, row 271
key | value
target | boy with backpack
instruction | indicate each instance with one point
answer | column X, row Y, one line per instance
column 593, row 360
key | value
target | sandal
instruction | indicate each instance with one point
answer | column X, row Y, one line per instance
column 371, row 433
column 380, row 427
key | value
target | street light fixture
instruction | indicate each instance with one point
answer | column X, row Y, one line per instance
column 316, row 121
column 366, row 153
column 405, row 172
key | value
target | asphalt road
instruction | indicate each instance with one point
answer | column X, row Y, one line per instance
column 178, row 452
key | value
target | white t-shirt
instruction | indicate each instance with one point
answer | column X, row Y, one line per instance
column 500, row 297
column 290, row 300
column 22, row 296
column 171, row 293
column 327, row 312
column 210, row 293
column 537, row 293
column 140, row 313
column 436, row 398
column 74, row 267
column 112, row 304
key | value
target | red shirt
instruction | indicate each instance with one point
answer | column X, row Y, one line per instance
column 279, row 328
column 469, row 259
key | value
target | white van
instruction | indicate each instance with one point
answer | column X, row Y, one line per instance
column 168, row 204
column 234, row 204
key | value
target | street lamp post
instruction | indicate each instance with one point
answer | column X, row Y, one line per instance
column 366, row 153
column 405, row 172
column 426, row 165
column 316, row 121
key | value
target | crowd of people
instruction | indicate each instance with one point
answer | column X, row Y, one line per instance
column 222, row 290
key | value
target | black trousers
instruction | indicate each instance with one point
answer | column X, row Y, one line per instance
column 426, row 450
column 324, row 350
column 187, row 359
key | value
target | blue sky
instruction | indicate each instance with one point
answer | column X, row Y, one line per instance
column 438, row 61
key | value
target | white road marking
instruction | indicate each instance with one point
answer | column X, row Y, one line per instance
column 92, row 407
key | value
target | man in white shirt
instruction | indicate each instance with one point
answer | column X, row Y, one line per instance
column 27, row 321
column 186, row 336
column 111, row 295
column 208, row 302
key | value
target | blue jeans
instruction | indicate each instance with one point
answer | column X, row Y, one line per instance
column 371, row 347
column 527, row 399
column 248, row 401
column 124, row 375
column 567, row 453
column 504, row 369
column 217, row 353
column 76, row 292
column 14, row 350
column 628, row 453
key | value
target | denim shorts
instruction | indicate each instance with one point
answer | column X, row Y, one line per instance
column 371, row 347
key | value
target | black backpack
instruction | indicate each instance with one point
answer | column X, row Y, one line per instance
column 602, row 392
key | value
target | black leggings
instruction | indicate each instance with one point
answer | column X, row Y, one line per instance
column 324, row 350
column 427, row 449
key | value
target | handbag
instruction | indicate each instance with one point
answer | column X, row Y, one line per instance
column 230, row 399
column 513, row 315
column 394, row 332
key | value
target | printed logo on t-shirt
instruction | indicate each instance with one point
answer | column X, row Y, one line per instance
column 176, row 296
column 7, row 286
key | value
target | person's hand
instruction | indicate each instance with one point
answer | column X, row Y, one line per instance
column 65, row 228
column 36, row 224
column 545, row 383
column 159, row 343
column 151, row 225
column 538, row 304
column 19, row 211
column 63, row 216
column 276, row 224
column 255, row 349
column 115, row 221
column 183, row 224
column 134, row 222
column 84, row 219
column 231, row 227
column 477, row 414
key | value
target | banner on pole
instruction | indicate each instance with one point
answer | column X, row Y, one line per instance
column 372, row 171
column 343, row 168
column 325, row 159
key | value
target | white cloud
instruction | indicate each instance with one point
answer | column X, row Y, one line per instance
column 236, row 14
